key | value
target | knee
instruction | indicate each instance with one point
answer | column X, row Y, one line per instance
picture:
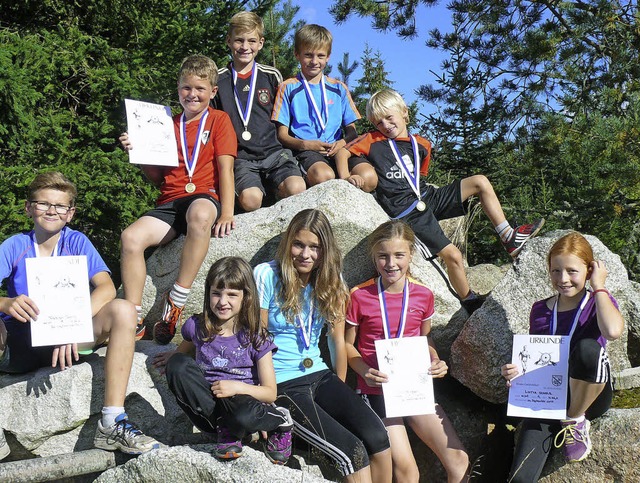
column 200, row 218
column 250, row 199
column 291, row 186
column 584, row 358
column 123, row 314
column 319, row 173
column 131, row 241
column 452, row 257
column 481, row 183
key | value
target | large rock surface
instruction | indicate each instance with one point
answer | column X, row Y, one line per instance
column 484, row 343
column 353, row 215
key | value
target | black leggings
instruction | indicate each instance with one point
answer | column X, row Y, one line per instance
column 328, row 415
column 242, row 414
column 587, row 362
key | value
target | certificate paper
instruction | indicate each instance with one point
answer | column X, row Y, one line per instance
column 60, row 288
column 406, row 361
column 540, row 389
column 150, row 129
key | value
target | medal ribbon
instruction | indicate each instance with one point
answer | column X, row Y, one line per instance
column 412, row 178
column 190, row 163
column 385, row 315
column 554, row 318
column 55, row 249
column 246, row 113
column 305, row 332
column 312, row 100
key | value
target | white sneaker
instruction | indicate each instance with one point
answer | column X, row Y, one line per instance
column 124, row 436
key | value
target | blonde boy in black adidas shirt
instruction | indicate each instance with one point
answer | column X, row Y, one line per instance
column 400, row 160
column 246, row 91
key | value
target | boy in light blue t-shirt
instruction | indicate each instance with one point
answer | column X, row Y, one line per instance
column 51, row 205
column 312, row 110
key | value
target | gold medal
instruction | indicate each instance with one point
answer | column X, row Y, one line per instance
column 307, row 362
column 421, row 206
column 246, row 135
column 190, row 187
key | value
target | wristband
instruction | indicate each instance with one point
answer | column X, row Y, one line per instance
column 602, row 290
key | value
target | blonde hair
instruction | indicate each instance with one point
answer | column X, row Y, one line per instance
column 244, row 22
column 381, row 103
column 314, row 37
column 329, row 290
column 236, row 274
column 572, row 244
column 391, row 230
column 199, row 66
column 53, row 180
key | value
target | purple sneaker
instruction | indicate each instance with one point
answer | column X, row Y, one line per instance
column 278, row 444
column 575, row 438
column 227, row 446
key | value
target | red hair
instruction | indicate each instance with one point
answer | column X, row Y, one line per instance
column 572, row 244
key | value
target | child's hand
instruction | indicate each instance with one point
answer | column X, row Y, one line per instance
column 21, row 308
column 223, row 226
column 438, row 368
column 160, row 360
column 375, row 378
column 317, row 145
column 335, row 147
column 598, row 274
column 356, row 180
column 226, row 388
column 124, row 140
column 509, row 371
column 64, row 354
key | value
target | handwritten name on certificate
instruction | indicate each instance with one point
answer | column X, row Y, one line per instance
column 150, row 129
column 540, row 389
column 60, row 288
column 406, row 361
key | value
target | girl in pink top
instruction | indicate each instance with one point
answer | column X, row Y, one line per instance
column 392, row 246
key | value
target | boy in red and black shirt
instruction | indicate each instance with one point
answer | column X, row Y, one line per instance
column 194, row 196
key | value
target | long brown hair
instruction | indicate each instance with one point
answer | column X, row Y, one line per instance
column 233, row 273
column 329, row 290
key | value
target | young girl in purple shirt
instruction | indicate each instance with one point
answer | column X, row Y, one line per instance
column 590, row 317
column 222, row 372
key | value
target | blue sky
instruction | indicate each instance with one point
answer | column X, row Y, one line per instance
column 408, row 62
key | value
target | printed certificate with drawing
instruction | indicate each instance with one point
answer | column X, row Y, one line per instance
column 406, row 361
column 60, row 288
column 151, row 132
column 540, row 389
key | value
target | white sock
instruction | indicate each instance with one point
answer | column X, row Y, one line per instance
column 179, row 294
column 109, row 415
column 504, row 231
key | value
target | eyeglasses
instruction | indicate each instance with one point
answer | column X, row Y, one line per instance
column 45, row 205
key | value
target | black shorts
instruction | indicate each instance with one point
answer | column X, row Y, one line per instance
column 19, row 356
column 442, row 203
column 271, row 171
column 174, row 213
column 309, row 158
